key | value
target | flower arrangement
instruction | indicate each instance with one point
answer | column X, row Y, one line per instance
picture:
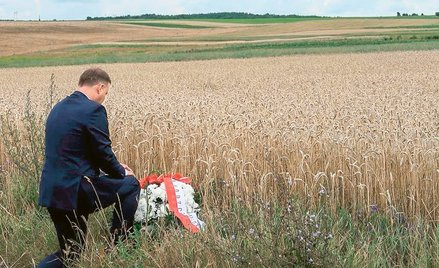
column 168, row 194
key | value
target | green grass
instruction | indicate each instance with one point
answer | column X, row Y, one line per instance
column 220, row 38
column 240, row 236
column 315, row 44
column 169, row 25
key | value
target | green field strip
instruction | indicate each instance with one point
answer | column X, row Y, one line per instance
column 92, row 54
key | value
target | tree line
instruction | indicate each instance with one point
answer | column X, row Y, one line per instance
column 398, row 14
column 218, row 15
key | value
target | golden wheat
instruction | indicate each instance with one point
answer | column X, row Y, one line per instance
column 356, row 129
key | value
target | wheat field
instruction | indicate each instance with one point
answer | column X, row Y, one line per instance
column 359, row 131
column 308, row 161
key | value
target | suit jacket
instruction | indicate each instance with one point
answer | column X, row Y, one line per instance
column 77, row 145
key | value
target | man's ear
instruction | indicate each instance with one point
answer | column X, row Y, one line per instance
column 99, row 88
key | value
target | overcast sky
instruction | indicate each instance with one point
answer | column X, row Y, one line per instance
column 80, row 9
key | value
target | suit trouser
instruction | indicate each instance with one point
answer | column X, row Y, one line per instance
column 93, row 195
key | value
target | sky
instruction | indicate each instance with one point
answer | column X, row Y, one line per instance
column 80, row 9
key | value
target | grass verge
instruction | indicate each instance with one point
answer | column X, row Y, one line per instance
column 265, row 235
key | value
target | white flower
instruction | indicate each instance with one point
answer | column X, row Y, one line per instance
column 152, row 203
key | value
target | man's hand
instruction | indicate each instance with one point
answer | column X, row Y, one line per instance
column 128, row 170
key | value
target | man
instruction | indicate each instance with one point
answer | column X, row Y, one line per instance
column 78, row 148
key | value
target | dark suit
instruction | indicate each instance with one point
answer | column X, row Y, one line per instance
column 77, row 148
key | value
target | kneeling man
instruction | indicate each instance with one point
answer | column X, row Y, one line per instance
column 78, row 148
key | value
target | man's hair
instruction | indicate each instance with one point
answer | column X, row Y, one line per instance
column 92, row 76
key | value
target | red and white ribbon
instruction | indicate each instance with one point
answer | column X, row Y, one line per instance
column 176, row 196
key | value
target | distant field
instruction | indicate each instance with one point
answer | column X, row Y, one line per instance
column 168, row 25
column 80, row 42
column 114, row 53
column 232, row 21
column 431, row 26
column 290, row 20
column 262, row 20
